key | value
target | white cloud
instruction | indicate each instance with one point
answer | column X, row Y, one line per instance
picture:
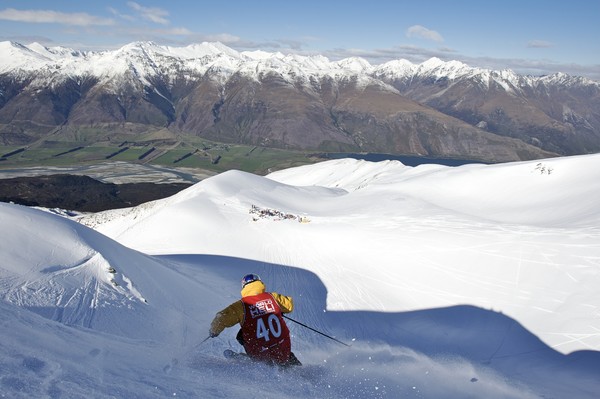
column 154, row 14
column 174, row 31
column 224, row 38
column 539, row 44
column 55, row 17
column 424, row 33
column 116, row 13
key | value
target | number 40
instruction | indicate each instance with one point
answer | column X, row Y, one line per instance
column 274, row 327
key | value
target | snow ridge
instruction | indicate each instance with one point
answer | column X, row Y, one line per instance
column 145, row 59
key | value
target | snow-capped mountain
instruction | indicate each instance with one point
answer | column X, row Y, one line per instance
column 558, row 112
column 478, row 281
column 435, row 108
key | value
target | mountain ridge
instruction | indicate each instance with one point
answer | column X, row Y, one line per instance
column 209, row 90
column 204, row 50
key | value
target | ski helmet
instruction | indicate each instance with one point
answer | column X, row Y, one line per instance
column 249, row 278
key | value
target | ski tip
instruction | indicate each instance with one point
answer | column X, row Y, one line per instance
column 231, row 354
column 228, row 353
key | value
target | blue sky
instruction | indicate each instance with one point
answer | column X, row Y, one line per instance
column 528, row 36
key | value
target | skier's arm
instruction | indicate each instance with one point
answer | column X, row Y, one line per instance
column 286, row 303
column 227, row 317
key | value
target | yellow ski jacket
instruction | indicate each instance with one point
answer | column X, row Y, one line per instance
column 234, row 313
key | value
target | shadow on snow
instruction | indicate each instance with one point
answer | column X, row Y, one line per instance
column 482, row 337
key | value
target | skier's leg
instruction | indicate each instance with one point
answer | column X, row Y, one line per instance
column 240, row 337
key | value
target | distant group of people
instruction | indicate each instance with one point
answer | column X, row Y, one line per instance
column 275, row 214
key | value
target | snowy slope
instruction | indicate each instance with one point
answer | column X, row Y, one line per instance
column 143, row 60
column 43, row 353
column 473, row 281
column 441, row 236
column 71, row 274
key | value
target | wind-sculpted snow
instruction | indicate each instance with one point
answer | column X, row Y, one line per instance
column 69, row 273
column 531, row 193
column 473, row 281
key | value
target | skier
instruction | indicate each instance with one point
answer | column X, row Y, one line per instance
column 263, row 334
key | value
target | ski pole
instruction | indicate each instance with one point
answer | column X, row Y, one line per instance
column 175, row 361
column 204, row 340
column 317, row 331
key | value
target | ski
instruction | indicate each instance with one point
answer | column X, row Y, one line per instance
column 230, row 354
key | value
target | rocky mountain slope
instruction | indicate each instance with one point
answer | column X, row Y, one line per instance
column 290, row 101
column 81, row 193
column 558, row 113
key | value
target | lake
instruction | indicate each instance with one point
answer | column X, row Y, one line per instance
column 405, row 159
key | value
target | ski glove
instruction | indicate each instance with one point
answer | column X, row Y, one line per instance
column 212, row 334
